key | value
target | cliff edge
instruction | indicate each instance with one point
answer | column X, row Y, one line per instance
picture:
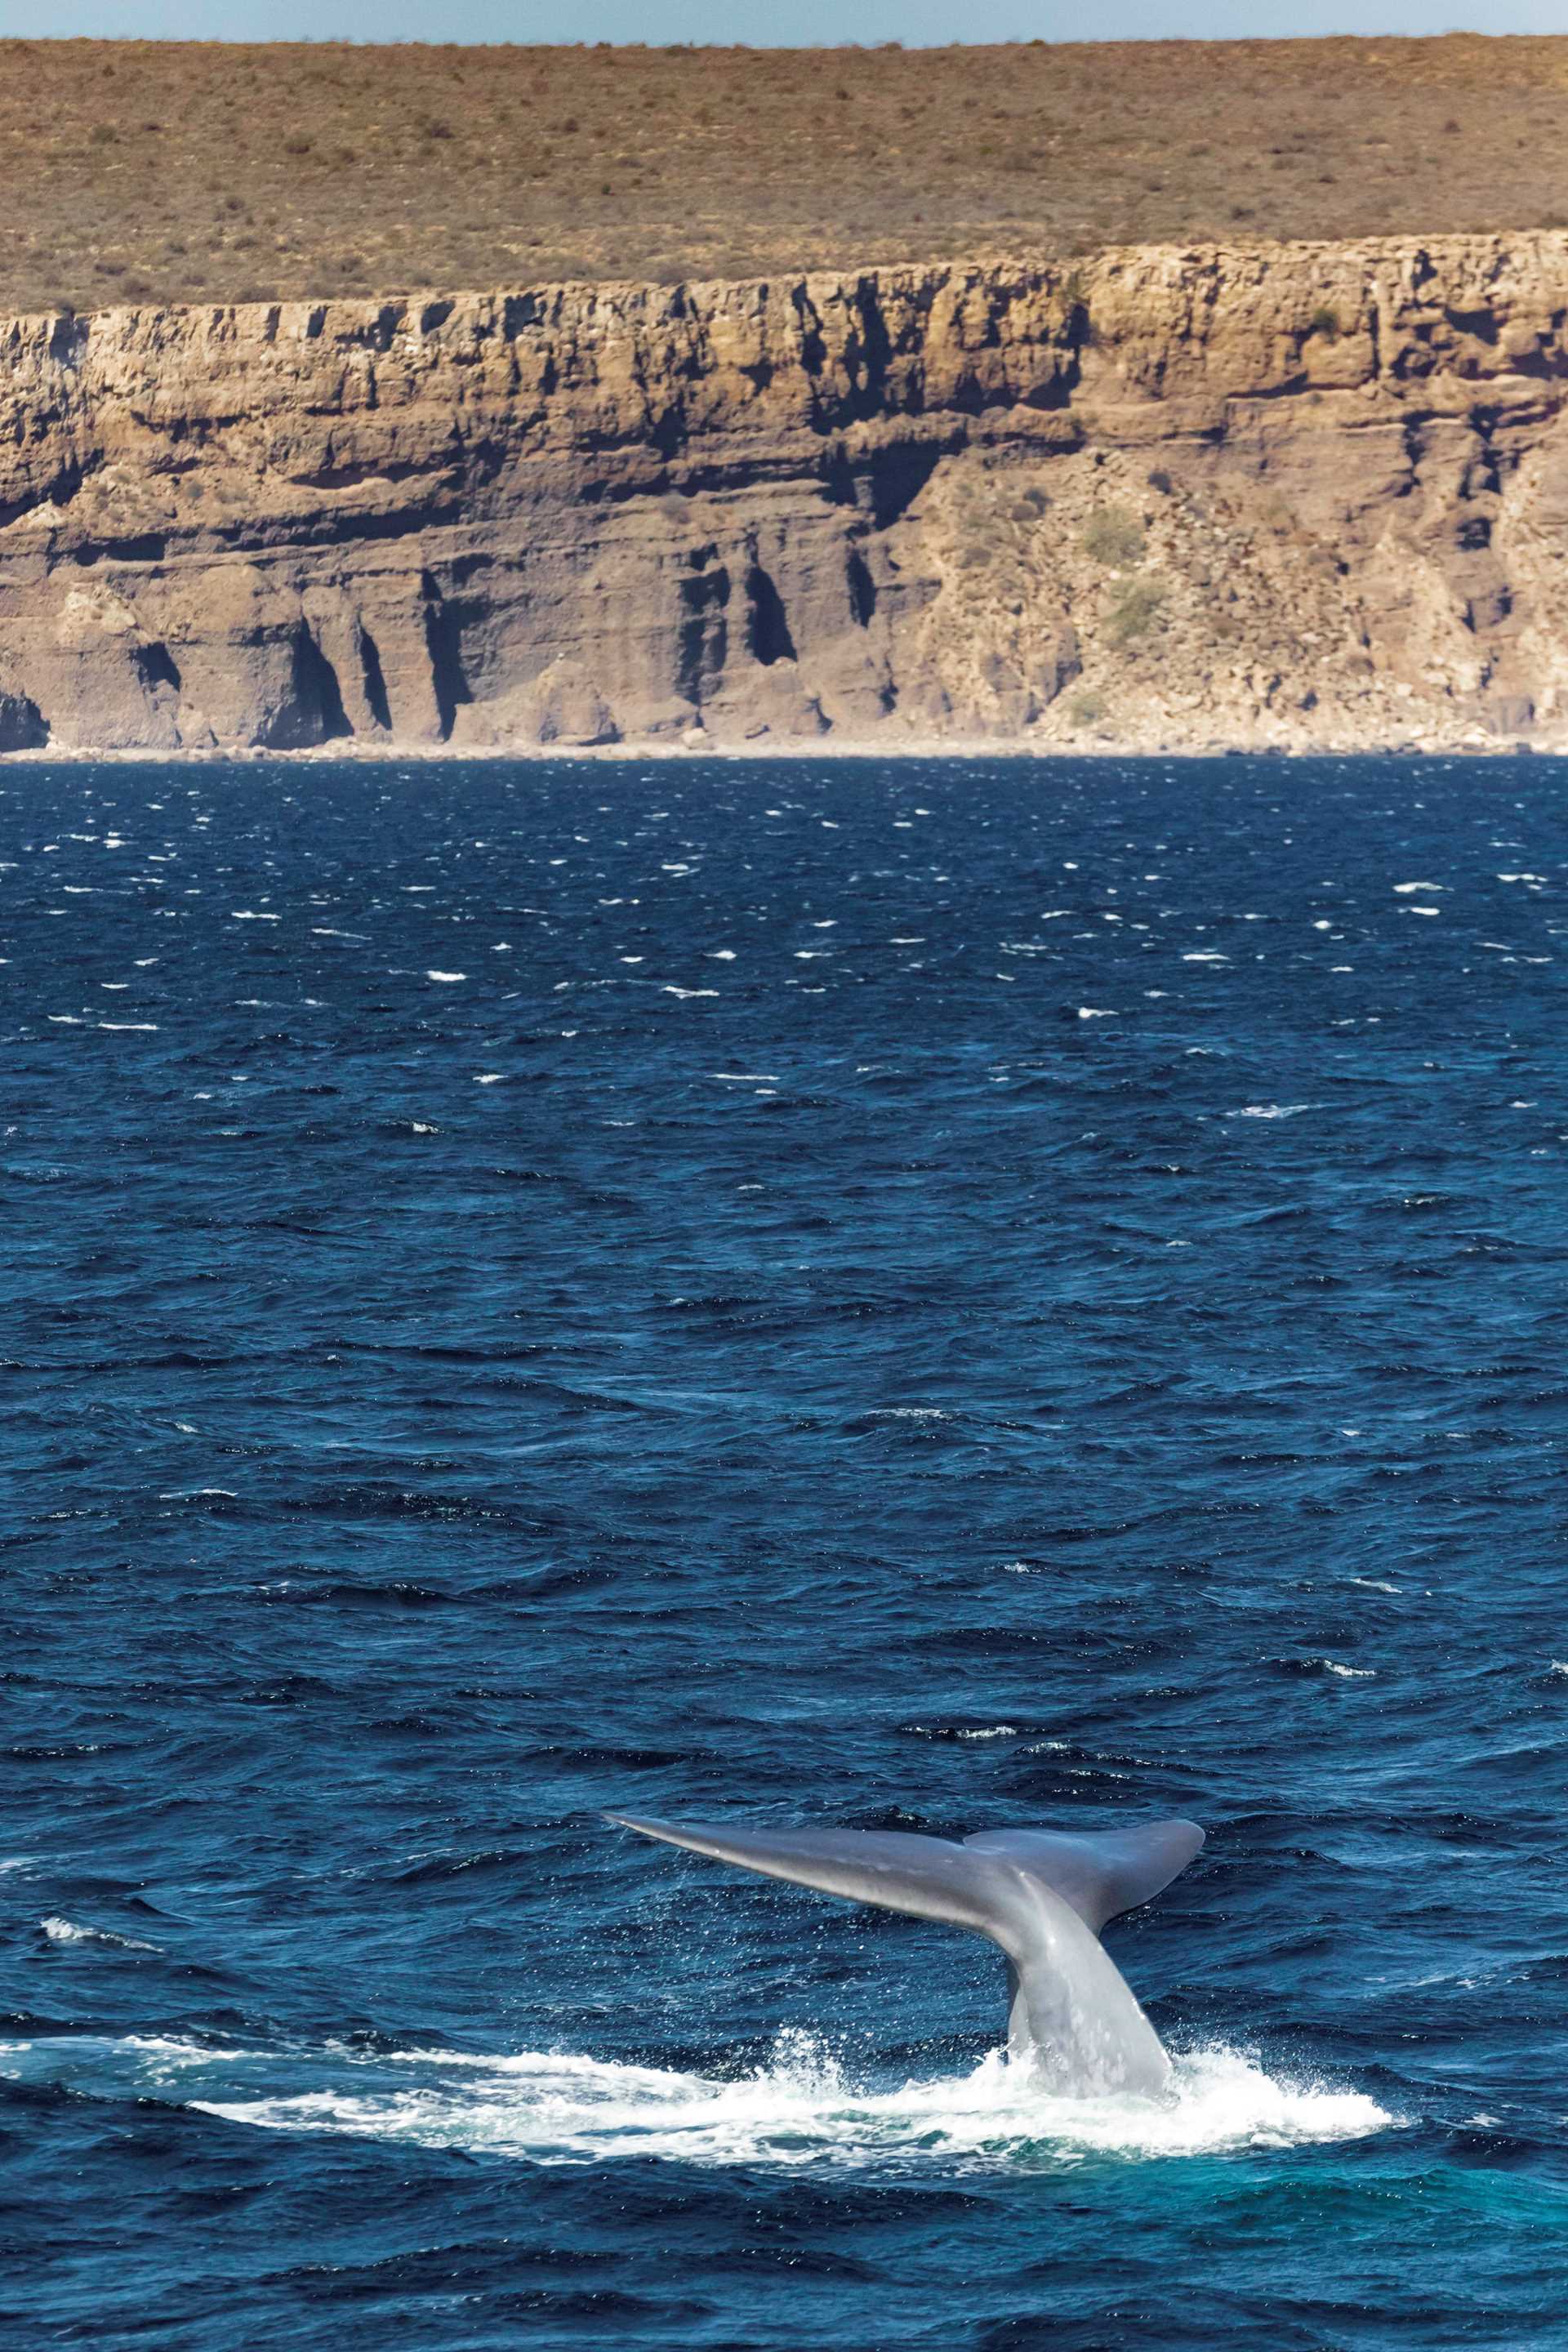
column 1299, row 496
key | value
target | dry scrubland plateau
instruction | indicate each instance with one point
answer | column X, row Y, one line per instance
column 979, row 477
column 179, row 172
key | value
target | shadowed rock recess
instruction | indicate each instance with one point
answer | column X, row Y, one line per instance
column 1305, row 496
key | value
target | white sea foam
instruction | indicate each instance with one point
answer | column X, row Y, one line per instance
column 65, row 1931
column 803, row 2109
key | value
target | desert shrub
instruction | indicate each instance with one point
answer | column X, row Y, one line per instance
column 1085, row 708
column 1113, row 536
column 1134, row 608
column 1324, row 322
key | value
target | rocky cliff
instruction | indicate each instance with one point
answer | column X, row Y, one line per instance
column 1295, row 496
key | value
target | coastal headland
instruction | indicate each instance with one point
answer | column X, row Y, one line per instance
column 1133, row 460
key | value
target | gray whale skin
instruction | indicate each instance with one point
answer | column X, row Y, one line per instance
column 1042, row 1895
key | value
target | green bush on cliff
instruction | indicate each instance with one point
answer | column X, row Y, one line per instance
column 1114, row 537
column 1134, row 609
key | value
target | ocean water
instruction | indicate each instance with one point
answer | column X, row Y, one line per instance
column 909, row 1296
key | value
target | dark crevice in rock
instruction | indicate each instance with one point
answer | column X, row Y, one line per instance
column 154, row 665
column 767, row 624
column 812, row 347
column 444, row 637
column 320, row 687
column 862, row 589
column 897, row 476
column 374, row 680
column 703, row 638
column 150, row 547
column 313, row 712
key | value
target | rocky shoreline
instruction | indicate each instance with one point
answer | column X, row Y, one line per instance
column 1307, row 498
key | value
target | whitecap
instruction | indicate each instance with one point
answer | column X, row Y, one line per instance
column 65, row 1931
column 446, row 975
column 804, row 2109
column 1097, row 1012
column 1405, row 890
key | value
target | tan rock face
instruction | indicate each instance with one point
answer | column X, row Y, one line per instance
column 1290, row 496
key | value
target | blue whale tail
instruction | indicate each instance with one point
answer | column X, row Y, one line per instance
column 1042, row 1895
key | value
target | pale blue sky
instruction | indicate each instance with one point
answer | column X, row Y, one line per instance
column 777, row 24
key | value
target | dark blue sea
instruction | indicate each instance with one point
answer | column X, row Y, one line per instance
column 899, row 1296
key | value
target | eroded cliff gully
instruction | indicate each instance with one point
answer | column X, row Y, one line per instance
column 1293, row 496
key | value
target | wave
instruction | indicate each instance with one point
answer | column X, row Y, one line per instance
column 65, row 1931
column 802, row 2109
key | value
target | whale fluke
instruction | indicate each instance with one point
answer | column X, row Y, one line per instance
column 1042, row 1895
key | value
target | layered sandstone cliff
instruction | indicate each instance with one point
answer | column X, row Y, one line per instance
column 1295, row 496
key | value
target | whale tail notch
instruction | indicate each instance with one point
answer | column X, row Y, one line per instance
column 1042, row 1895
